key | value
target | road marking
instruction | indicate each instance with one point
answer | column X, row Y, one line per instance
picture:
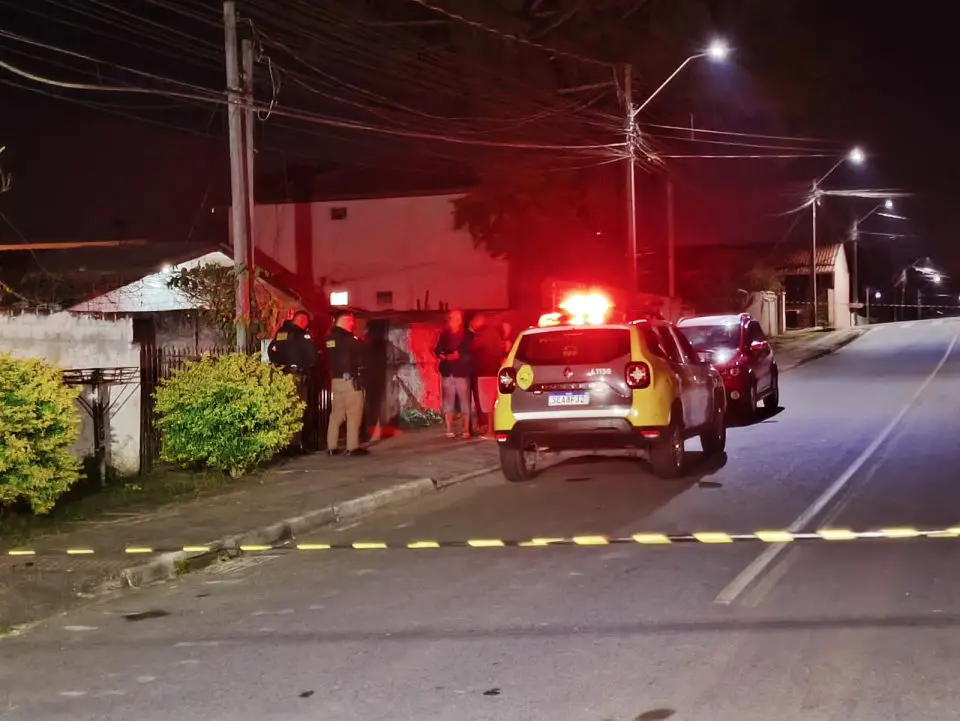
column 909, row 324
column 746, row 577
column 938, row 321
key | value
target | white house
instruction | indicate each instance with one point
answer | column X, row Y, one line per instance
column 399, row 253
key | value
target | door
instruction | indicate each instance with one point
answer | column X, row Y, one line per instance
column 700, row 372
column 691, row 392
column 761, row 357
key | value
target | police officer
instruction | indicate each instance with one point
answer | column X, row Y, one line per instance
column 293, row 351
column 345, row 353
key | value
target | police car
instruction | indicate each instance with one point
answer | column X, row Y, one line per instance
column 580, row 380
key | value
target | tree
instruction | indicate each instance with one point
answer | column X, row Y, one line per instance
column 214, row 288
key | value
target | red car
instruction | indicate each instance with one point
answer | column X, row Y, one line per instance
column 737, row 347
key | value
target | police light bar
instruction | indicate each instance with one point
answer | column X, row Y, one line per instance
column 587, row 308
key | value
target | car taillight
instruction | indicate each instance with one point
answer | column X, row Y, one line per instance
column 507, row 380
column 637, row 375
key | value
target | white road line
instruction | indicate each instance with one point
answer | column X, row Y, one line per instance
column 746, row 577
column 908, row 324
column 938, row 321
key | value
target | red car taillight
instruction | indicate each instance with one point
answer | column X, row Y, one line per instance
column 507, row 380
column 637, row 375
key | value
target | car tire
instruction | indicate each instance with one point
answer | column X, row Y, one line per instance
column 772, row 401
column 714, row 439
column 667, row 454
column 515, row 464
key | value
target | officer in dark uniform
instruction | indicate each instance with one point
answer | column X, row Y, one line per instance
column 293, row 351
column 346, row 356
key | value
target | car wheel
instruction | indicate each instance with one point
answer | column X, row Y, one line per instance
column 667, row 454
column 518, row 465
column 714, row 439
column 772, row 401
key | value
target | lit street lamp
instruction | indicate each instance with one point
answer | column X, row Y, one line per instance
column 716, row 51
column 855, row 236
column 857, row 157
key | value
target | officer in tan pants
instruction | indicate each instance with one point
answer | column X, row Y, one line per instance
column 345, row 353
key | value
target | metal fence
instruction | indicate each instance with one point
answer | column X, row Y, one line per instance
column 158, row 364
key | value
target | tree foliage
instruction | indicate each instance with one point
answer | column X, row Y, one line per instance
column 214, row 288
column 229, row 413
column 39, row 423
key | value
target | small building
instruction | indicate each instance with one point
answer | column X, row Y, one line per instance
column 167, row 318
column 833, row 287
column 379, row 254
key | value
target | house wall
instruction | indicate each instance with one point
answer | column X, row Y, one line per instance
column 843, row 317
column 185, row 331
column 75, row 342
column 404, row 247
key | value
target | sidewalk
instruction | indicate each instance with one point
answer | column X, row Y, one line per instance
column 281, row 503
column 796, row 347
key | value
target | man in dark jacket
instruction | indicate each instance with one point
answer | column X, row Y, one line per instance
column 293, row 351
column 456, row 369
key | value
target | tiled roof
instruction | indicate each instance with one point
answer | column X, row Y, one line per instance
column 798, row 261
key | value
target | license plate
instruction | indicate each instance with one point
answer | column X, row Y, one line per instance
column 568, row 399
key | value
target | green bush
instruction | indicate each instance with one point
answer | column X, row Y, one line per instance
column 39, row 423
column 229, row 413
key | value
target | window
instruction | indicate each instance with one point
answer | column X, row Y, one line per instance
column 690, row 354
column 588, row 346
column 339, row 298
column 668, row 343
column 713, row 337
column 384, row 297
column 652, row 341
column 338, row 213
column 755, row 333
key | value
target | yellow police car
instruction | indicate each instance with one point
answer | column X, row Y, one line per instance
column 580, row 381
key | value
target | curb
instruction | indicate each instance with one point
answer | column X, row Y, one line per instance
column 169, row 565
column 822, row 353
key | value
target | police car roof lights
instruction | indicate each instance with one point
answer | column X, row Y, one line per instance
column 591, row 308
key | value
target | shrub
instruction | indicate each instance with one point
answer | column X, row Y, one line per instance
column 39, row 423
column 229, row 413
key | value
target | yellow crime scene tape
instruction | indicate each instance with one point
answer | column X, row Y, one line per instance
column 595, row 541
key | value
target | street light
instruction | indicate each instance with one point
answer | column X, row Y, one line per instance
column 716, row 51
column 855, row 236
column 857, row 157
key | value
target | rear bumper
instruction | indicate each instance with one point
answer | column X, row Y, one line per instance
column 578, row 434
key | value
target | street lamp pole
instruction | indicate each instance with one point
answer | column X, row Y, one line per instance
column 856, row 157
column 631, row 178
column 855, row 237
column 717, row 51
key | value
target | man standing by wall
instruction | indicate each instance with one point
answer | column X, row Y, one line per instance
column 346, row 357
column 453, row 351
column 293, row 351
column 486, row 356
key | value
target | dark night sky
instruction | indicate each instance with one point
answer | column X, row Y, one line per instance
column 85, row 173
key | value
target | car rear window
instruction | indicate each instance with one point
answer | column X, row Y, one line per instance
column 582, row 346
column 711, row 337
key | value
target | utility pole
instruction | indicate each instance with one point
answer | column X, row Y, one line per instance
column 671, row 245
column 866, row 298
column 238, row 193
column 813, row 259
column 856, row 261
column 249, row 176
column 631, row 130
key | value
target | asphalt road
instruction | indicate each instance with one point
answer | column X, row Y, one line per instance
column 822, row 631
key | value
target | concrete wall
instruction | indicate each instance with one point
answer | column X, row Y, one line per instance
column 841, row 293
column 387, row 254
column 76, row 342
